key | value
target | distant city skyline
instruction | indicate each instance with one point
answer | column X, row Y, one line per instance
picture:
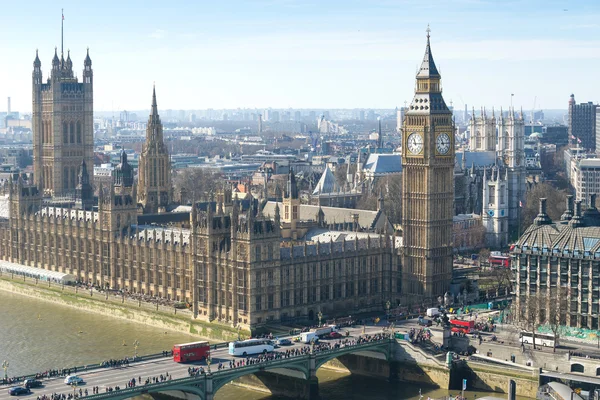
column 308, row 54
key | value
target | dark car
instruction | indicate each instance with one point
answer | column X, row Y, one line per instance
column 18, row 390
column 32, row 383
column 424, row 322
column 334, row 335
column 284, row 342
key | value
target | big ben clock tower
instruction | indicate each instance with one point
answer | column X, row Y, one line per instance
column 428, row 187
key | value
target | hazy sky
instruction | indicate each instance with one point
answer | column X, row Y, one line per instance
column 308, row 54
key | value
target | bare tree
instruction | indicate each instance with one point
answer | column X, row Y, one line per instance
column 199, row 182
column 557, row 304
column 526, row 314
column 556, row 200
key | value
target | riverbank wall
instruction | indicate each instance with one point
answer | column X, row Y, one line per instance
column 117, row 307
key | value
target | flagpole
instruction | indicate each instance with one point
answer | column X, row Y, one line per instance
column 62, row 22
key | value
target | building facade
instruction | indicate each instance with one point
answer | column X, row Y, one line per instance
column 62, row 124
column 582, row 124
column 226, row 258
column 563, row 256
column 427, row 186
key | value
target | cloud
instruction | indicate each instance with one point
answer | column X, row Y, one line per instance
column 158, row 34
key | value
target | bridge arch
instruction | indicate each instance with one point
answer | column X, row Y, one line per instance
column 382, row 347
column 299, row 364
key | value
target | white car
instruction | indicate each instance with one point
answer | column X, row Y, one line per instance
column 73, row 380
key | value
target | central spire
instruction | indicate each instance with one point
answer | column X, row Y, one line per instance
column 428, row 68
column 154, row 106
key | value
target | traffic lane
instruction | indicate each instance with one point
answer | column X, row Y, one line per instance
column 120, row 376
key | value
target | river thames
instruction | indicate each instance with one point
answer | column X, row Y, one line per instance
column 36, row 336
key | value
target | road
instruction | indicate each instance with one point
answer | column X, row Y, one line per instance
column 111, row 377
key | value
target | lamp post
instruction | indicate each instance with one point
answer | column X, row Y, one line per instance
column 320, row 315
column 387, row 308
column 136, row 344
column 312, row 346
column 5, row 368
column 208, row 360
column 239, row 328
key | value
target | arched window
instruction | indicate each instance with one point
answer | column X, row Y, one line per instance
column 72, row 132
column 577, row 368
column 79, row 132
column 66, row 177
column 65, row 133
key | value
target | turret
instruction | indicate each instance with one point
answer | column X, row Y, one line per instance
column 577, row 219
column 380, row 201
column 55, row 64
column 84, row 190
column 88, row 74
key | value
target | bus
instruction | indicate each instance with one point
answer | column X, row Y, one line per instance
column 499, row 261
column 458, row 326
column 250, row 346
column 541, row 339
column 194, row 351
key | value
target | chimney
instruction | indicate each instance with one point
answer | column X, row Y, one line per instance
column 568, row 214
column 542, row 218
column 576, row 221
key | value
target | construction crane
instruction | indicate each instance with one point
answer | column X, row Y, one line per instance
column 532, row 113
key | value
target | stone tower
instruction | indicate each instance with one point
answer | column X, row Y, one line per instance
column 511, row 147
column 154, row 174
column 483, row 132
column 495, row 207
column 84, row 190
column 427, row 183
column 291, row 204
column 62, row 123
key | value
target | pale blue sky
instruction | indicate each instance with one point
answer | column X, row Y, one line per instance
column 308, row 54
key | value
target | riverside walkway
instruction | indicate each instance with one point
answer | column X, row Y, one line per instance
column 161, row 374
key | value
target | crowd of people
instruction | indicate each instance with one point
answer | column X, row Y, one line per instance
column 289, row 353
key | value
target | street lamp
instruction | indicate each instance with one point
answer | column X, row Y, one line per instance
column 238, row 331
column 312, row 346
column 387, row 307
column 208, row 360
column 5, row 367
column 320, row 315
column 136, row 344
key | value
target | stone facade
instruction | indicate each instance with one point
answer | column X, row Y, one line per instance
column 62, row 124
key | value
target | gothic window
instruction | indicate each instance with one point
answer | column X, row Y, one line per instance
column 492, row 196
column 270, row 301
column 65, row 133
column 66, row 177
column 502, row 194
column 79, row 132
column 72, row 132
column 257, row 254
column 258, row 302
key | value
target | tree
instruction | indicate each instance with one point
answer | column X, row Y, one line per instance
column 557, row 303
column 198, row 182
column 391, row 187
column 555, row 204
column 526, row 314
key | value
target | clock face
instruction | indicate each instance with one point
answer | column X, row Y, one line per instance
column 442, row 143
column 415, row 143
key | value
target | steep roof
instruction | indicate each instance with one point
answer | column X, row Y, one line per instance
column 428, row 68
column 381, row 164
column 326, row 184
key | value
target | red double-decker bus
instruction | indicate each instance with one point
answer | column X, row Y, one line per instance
column 459, row 326
column 194, row 351
column 499, row 261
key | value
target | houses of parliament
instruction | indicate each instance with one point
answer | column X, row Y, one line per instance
column 231, row 261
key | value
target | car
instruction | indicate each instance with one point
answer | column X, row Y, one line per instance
column 335, row 335
column 284, row 342
column 32, row 383
column 18, row 390
column 424, row 322
column 73, row 380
